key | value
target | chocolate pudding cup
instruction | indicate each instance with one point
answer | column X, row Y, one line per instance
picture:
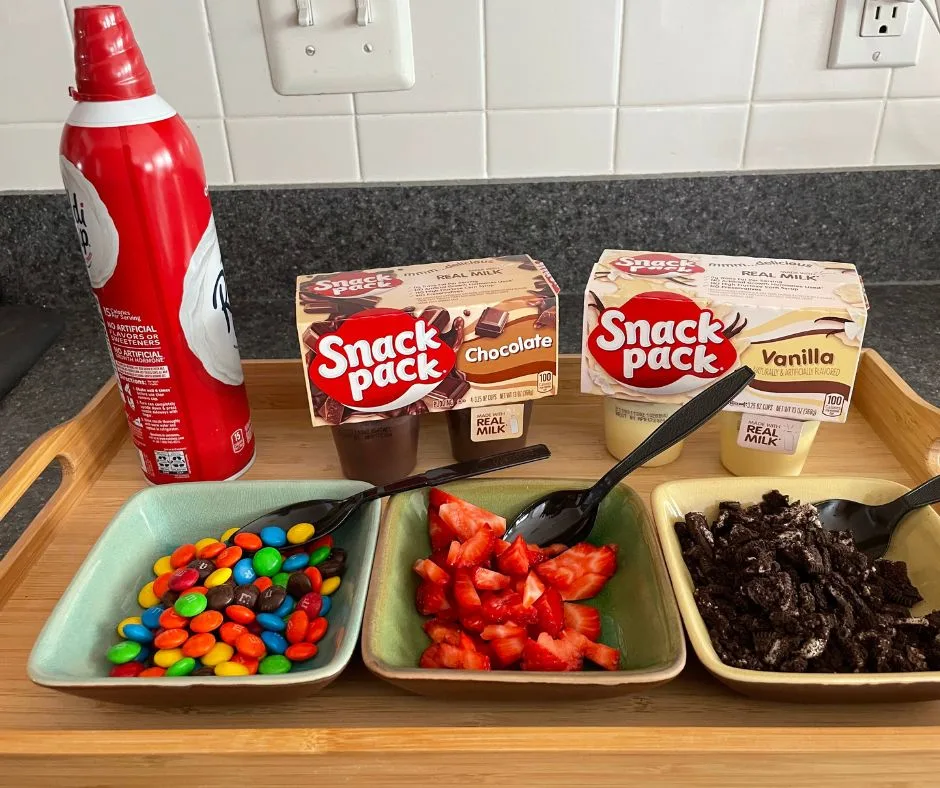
column 378, row 452
column 514, row 418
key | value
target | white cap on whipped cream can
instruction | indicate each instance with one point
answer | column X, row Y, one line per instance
column 660, row 327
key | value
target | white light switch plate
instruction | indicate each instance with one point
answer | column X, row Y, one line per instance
column 850, row 49
column 336, row 54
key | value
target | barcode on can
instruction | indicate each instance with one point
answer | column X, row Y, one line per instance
column 173, row 463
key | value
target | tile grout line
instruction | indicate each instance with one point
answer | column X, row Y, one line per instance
column 881, row 116
column 483, row 86
column 218, row 88
column 750, row 96
column 357, row 139
column 617, row 79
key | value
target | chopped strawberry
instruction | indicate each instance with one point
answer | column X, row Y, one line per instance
column 581, row 571
column 498, row 608
column 438, row 497
column 586, row 587
column 431, row 599
column 442, row 631
column 507, row 651
column 467, row 643
column 431, row 571
column 583, row 619
column 474, row 623
column 604, row 656
column 515, row 560
column 547, row 653
column 499, row 631
column 534, row 588
column 444, row 655
column 439, row 531
column 453, row 553
column 465, row 519
column 439, row 557
column 488, row 580
column 501, row 547
column 550, row 551
column 474, row 660
column 465, row 595
column 477, row 549
column 550, row 611
column 536, row 556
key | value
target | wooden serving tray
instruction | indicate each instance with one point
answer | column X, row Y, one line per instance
column 362, row 731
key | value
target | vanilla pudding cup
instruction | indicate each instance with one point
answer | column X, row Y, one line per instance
column 754, row 445
column 627, row 424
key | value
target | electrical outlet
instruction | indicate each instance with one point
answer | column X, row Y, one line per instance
column 884, row 19
column 873, row 34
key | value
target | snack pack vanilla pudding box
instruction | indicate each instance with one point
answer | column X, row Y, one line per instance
column 475, row 338
column 661, row 327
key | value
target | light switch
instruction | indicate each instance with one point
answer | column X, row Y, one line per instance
column 338, row 46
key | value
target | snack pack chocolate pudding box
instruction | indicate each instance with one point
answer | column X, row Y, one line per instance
column 660, row 327
column 475, row 338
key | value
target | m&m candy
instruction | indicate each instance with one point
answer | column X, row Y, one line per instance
column 240, row 604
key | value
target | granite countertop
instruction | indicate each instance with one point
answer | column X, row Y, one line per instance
column 901, row 328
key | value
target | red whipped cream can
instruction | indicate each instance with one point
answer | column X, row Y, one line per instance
column 137, row 189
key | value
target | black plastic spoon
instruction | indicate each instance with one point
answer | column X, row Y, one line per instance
column 872, row 526
column 326, row 515
column 567, row 516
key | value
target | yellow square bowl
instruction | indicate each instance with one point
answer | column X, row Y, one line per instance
column 916, row 541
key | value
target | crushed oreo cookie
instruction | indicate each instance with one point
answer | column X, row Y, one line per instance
column 780, row 593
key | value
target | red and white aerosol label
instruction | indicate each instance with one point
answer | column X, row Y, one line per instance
column 137, row 190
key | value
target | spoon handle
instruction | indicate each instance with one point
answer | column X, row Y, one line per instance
column 680, row 424
column 927, row 493
column 461, row 470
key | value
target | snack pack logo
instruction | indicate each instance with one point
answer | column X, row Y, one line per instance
column 656, row 264
column 380, row 359
column 353, row 285
column 661, row 341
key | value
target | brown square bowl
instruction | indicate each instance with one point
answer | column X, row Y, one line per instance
column 916, row 541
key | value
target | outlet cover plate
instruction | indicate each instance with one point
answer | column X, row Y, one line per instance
column 849, row 49
column 336, row 54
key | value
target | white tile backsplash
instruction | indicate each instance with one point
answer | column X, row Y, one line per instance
column 242, row 63
column 504, row 89
column 213, row 144
column 681, row 52
column 815, row 134
column 922, row 80
column 184, row 73
column 794, row 50
column 36, row 64
column 29, row 156
column 910, row 133
column 534, row 143
column 426, row 147
column 680, row 139
column 552, row 53
column 294, row 150
column 448, row 43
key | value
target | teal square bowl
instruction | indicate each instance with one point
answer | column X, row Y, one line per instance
column 638, row 610
column 69, row 654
